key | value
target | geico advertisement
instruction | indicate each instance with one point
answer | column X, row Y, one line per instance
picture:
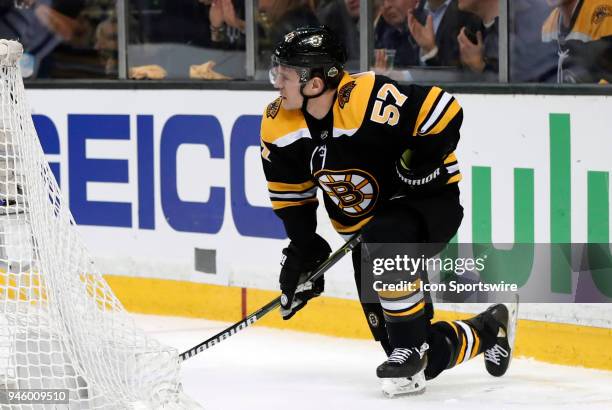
column 168, row 183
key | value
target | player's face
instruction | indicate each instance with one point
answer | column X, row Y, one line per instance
column 287, row 81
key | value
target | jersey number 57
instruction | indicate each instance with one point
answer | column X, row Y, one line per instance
column 389, row 113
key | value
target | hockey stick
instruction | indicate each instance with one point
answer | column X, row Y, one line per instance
column 254, row 317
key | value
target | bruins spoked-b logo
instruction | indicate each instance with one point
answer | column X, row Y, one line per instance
column 373, row 319
column 354, row 191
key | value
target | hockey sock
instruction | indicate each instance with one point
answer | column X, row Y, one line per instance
column 450, row 344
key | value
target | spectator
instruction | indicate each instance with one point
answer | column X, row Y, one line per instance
column 482, row 55
column 391, row 33
column 582, row 30
column 70, row 29
column 437, row 37
column 530, row 58
column 227, row 24
column 342, row 17
column 170, row 21
column 106, row 45
column 23, row 25
column 279, row 17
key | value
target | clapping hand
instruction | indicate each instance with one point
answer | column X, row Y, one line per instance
column 423, row 34
column 472, row 55
column 223, row 12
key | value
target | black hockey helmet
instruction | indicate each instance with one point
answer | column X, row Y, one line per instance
column 313, row 51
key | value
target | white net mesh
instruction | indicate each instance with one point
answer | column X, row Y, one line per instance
column 61, row 327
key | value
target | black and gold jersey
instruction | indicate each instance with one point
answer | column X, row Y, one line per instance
column 585, row 45
column 352, row 152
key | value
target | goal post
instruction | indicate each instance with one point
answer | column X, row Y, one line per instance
column 61, row 326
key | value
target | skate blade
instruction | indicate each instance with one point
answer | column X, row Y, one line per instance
column 402, row 387
column 512, row 323
column 512, row 320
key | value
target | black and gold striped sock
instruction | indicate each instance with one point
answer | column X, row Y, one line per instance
column 467, row 341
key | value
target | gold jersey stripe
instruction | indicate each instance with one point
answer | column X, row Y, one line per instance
column 265, row 152
column 476, row 344
column 286, row 187
column 419, row 306
column 450, row 113
column 426, row 107
column 451, row 158
column 454, row 178
column 463, row 347
column 349, row 229
column 400, row 294
column 285, row 204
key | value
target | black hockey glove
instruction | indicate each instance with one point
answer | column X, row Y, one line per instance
column 297, row 263
column 426, row 178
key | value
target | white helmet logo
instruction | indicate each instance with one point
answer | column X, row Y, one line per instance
column 289, row 37
column 314, row 41
column 332, row 72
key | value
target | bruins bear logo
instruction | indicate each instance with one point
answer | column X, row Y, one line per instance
column 273, row 108
column 344, row 94
column 354, row 191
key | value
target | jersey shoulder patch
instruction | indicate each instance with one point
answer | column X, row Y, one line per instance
column 344, row 93
column 273, row 108
column 352, row 101
column 595, row 20
column 282, row 127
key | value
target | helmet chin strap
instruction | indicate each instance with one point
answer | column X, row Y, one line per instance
column 307, row 97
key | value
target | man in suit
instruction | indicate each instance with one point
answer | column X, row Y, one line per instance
column 435, row 25
column 342, row 16
column 481, row 54
column 391, row 32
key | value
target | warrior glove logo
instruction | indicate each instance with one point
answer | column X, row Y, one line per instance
column 416, row 181
column 354, row 191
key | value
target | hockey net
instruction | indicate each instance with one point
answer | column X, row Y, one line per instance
column 61, row 327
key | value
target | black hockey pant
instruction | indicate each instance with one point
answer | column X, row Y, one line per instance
column 433, row 219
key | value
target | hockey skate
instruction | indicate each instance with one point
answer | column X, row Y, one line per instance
column 404, row 372
column 499, row 320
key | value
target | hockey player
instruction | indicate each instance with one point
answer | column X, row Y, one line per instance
column 383, row 154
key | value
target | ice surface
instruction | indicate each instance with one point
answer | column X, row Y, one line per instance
column 262, row 368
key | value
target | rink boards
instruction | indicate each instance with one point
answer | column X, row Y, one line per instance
column 168, row 191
